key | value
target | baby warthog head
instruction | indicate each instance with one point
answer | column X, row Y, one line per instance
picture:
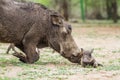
column 88, row 60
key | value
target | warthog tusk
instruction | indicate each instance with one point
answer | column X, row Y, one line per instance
column 61, row 49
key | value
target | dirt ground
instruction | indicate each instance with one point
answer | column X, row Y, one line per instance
column 106, row 43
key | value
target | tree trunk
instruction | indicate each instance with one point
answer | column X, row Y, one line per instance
column 109, row 10
column 111, row 6
column 64, row 8
column 115, row 15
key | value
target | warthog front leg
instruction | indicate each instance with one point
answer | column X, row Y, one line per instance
column 20, row 55
column 30, row 41
column 30, row 56
column 31, row 53
column 29, row 45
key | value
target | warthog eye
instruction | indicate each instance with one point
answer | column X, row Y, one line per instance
column 69, row 27
column 90, row 55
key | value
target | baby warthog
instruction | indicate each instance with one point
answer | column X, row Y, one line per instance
column 88, row 59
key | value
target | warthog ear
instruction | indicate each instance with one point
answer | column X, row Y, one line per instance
column 91, row 51
column 82, row 49
column 56, row 19
column 81, row 52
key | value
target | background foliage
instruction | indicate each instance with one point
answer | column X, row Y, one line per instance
column 93, row 9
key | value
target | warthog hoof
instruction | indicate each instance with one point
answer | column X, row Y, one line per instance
column 21, row 57
column 97, row 64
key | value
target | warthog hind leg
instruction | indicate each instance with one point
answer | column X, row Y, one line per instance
column 11, row 46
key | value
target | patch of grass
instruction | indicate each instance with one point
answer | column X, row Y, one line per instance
column 99, row 49
column 58, row 72
column 6, row 62
column 117, row 36
column 40, row 73
column 115, row 61
column 116, row 51
column 113, row 65
column 7, row 78
column 99, row 55
column 110, row 67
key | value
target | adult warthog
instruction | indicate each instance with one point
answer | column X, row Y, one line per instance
column 30, row 25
